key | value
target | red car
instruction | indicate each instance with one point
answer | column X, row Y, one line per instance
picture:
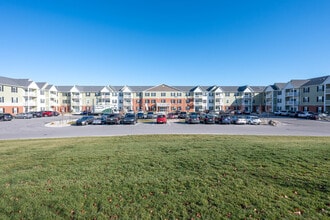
column 161, row 119
column 47, row 113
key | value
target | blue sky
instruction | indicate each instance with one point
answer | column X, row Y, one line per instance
column 176, row 42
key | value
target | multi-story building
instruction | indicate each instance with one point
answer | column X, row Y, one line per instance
column 23, row 95
column 315, row 95
column 273, row 97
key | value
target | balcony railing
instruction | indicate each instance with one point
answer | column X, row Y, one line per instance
column 292, row 103
column 31, row 94
column 292, row 94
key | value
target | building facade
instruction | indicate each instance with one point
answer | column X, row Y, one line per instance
column 24, row 95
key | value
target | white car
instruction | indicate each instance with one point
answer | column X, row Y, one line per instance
column 253, row 120
column 239, row 120
column 304, row 114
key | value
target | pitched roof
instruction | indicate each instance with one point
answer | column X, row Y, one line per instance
column 90, row 88
column 316, row 81
column 298, row 82
column 15, row 82
column 64, row 88
column 162, row 88
column 278, row 86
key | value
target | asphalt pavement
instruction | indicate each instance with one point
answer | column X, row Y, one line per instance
column 58, row 127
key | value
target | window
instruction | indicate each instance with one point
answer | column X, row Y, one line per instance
column 153, row 101
column 114, row 94
column 42, row 101
column 211, row 101
column 14, row 89
column 2, row 99
column 147, row 101
column 306, row 99
column 14, row 99
column 179, row 94
column 306, row 90
column 1, row 88
column 153, row 94
column 179, row 101
column 163, row 101
column 138, row 101
column 320, row 99
column 172, row 94
column 173, row 101
column 88, row 94
column 227, row 94
column 320, row 88
column 42, row 92
column 147, row 94
column 114, row 101
column 187, row 101
column 163, row 94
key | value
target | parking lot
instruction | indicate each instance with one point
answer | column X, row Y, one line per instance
column 57, row 127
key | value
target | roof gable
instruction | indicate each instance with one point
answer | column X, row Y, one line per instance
column 162, row 88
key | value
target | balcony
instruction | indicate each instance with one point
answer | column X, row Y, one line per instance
column 30, row 103
column 292, row 94
column 295, row 103
column 31, row 94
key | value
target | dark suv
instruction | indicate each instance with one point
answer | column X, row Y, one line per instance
column 5, row 117
column 182, row 115
column 114, row 119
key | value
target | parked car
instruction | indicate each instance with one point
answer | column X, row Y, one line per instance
column 55, row 113
column 47, row 113
column 36, row 114
column 99, row 121
column 314, row 116
column 24, row 116
column 161, row 119
column 207, row 119
column 85, row 120
column 293, row 114
column 304, row 114
column 192, row 119
column 129, row 118
column 86, row 112
column 224, row 119
column 172, row 115
column 240, row 120
column 182, row 115
column 277, row 113
column 114, row 118
column 150, row 115
column 140, row 115
column 284, row 113
column 6, row 117
column 253, row 120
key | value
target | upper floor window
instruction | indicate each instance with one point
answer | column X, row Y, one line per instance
column 2, row 99
column 306, row 90
column 147, row 94
column 1, row 88
column 88, row 94
column 163, row 94
column 153, row 94
column 14, row 89
column 320, row 88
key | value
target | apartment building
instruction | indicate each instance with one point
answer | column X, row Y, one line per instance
column 274, row 97
column 23, row 95
column 315, row 95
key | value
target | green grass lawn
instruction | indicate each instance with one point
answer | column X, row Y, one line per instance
column 166, row 177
